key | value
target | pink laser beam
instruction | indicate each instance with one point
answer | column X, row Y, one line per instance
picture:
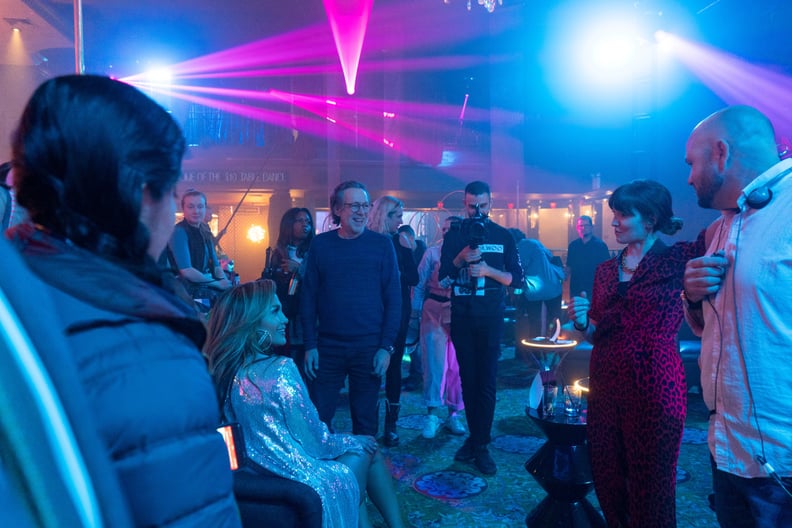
column 737, row 81
column 348, row 21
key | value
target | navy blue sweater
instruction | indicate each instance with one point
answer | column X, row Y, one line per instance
column 351, row 288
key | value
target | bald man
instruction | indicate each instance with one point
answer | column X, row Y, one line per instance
column 739, row 299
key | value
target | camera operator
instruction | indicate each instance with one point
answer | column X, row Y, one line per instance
column 479, row 260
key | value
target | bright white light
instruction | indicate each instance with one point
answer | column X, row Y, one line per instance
column 603, row 60
column 613, row 53
column 159, row 76
column 593, row 53
column 255, row 234
column 607, row 52
column 665, row 41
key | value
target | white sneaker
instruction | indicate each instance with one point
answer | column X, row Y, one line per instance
column 455, row 425
column 431, row 425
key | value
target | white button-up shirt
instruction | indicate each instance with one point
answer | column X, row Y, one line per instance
column 746, row 352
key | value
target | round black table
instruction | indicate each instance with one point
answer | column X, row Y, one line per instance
column 561, row 466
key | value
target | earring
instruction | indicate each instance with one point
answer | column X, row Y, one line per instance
column 263, row 336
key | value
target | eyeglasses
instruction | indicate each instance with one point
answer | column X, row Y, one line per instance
column 357, row 207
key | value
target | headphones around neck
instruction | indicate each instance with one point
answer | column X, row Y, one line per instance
column 759, row 197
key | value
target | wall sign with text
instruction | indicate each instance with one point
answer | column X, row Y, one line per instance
column 235, row 176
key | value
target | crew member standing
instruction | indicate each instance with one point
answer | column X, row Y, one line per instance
column 479, row 260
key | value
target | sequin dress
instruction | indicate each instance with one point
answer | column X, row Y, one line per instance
column 283, row 433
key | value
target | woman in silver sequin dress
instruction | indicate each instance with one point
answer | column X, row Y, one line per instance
column 265, row 394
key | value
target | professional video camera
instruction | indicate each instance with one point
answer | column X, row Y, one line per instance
column 474, row 233
column 474, row 228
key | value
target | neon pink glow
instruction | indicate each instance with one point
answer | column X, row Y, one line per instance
column 306, row 46
column 464, row 107
column 348, row 20
column 415, row 137
column 315, row 50
column 410, row 128
column 403, row 109
column 331, row 66
column 736, row 80
column 429, row 63
column 172, row 89
column 348, row 131
column 283, row 119
column 319, row 69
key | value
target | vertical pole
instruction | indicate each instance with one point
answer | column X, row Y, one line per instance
column 79, row 57
column 517, row 204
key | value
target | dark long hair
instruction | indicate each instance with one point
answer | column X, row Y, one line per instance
column 286, row 233
column 85, row 147
column 651, row 200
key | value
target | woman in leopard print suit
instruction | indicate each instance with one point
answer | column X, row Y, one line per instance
column 637, row 404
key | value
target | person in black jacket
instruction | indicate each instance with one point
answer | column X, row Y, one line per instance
column 386, row 216
column 414, row 381
column 283, row 267
column 583, row 257
column 479, row 260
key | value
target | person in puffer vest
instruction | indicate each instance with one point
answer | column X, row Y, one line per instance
column 96, row 164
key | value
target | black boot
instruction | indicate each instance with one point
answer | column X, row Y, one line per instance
column 391, row 438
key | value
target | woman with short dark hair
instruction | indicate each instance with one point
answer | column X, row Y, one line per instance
column 638, row 402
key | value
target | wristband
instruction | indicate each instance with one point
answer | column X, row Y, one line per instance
column 581, row 328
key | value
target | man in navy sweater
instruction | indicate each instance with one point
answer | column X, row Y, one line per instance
column 479, row 259
column 351, row 310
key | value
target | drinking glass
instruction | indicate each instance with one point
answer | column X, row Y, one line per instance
column 572, row 398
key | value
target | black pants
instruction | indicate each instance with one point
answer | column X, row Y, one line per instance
column 393, row 376
column 335, row 364
column 477, row 343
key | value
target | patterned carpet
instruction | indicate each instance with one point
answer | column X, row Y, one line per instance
column 435, row 491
